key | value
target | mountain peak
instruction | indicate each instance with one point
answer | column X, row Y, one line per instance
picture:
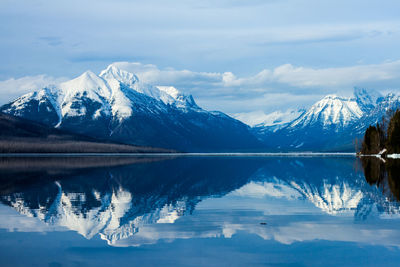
column 88, row 83
column 114, row 73
column 331, row 96
column 88, row 75
column 332, row 110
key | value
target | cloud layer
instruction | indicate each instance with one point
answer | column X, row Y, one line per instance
column 280, row 88
column 12, row 88
column 248, row 97
column 271, row 80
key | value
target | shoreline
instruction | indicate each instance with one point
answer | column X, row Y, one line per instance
column 191, row 154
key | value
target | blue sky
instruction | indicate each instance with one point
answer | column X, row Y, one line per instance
column 235, row 56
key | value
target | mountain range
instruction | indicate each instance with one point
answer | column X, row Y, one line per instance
column 331, row 124
column 115, row 106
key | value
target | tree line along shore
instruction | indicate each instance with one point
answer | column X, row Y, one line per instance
column 384, row 137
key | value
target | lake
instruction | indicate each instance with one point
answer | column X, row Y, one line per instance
column 199, row 211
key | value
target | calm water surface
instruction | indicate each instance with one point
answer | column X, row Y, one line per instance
column 191, row 211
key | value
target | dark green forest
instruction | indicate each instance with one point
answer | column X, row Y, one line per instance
column 383, row 135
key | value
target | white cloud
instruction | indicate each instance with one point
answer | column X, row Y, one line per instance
column 287, row 74
column 13, row 88
column 302, row 77
column 336, row 77
column 249, row 98
column 153, row 75
column 284, row 87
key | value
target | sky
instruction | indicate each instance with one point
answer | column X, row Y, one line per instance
column 246, row 58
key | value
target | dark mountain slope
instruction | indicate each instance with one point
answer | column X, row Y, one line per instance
column 18, row 135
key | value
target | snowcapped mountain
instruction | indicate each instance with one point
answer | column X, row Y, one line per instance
column 278, row 119
column 117, row 106
column 331, row 111
column 331, row 124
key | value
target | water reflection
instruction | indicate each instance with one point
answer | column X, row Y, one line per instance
column 136, row 201
column 385, row 174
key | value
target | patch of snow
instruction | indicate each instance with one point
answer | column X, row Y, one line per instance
column 382, row 151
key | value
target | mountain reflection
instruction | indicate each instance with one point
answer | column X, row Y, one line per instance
column 117, row 198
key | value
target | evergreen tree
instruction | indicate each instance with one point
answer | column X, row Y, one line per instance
column 372, row 140
column 393, row 134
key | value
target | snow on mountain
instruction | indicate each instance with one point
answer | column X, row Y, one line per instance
column 88, row 86
column 278, row 120
column 330, row 124
column 117, row 106
column 109, row 90
column 169, row 95
column 178, row 99
column 250, row 118
column 275, row 119
column 330, row 111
